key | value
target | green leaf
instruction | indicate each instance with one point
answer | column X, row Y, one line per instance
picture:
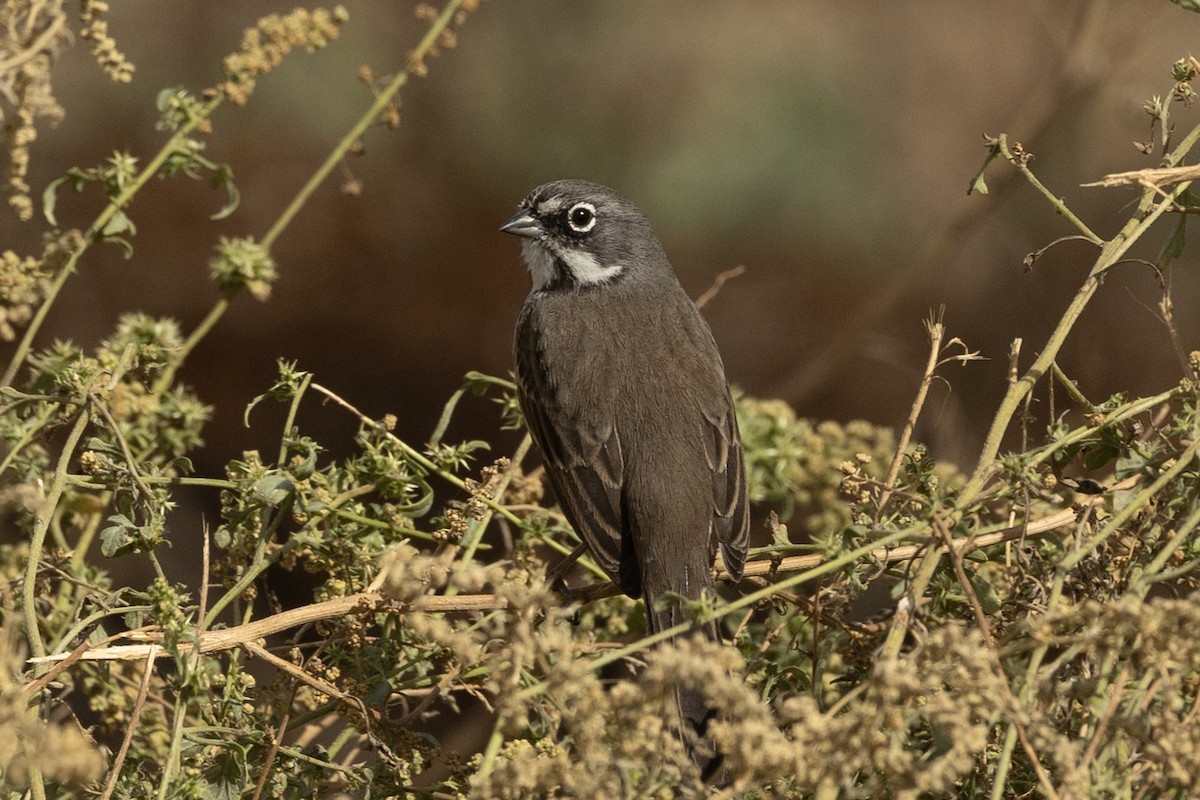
column 1173, row 247
column 308, row 466
column 120, row 537
column 125, row 245
column 379, row 693
column 274, row 489
column 223, row 178
column 120, row 223
column 479, row 382
column 163, row 99
column 250, row 407
column 988, row 598
column 227, row 777
column 978, row 185
column 424, row 502
column 1096, row 457
column 444, row 421
column 50, row 199
column 76, row 177
column 779, row 531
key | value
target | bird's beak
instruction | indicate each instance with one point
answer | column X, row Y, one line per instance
column 523, row 224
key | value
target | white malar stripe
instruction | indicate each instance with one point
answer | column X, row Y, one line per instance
column 586, row 269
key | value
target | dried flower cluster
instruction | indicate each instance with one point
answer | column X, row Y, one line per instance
column 24, row 281
column 31, row 33
column 104, row 47
column 60, row 751
column 266, row 44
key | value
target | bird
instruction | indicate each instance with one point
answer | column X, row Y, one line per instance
column 624, row 393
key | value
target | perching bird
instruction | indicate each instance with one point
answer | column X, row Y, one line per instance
column 625, row 395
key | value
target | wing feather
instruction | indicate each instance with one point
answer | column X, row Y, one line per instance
column 584, row 463
column 731, row 514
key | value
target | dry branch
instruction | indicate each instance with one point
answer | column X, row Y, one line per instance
column 1149, row 178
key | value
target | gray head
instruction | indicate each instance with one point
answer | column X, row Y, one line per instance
column 579, row 234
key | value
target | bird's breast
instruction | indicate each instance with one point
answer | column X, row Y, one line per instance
column 639, row 363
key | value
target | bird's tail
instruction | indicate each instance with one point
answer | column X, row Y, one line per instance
column 695, row 713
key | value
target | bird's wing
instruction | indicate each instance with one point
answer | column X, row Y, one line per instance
column 731, row 513
column 585, row 466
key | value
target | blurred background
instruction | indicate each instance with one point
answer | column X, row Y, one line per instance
column 826, row 146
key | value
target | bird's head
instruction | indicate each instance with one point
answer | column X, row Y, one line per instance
column 578, row 234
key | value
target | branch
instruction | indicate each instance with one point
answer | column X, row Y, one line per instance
column 373, row 602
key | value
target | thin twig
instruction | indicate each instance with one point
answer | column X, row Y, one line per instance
column 720, row 281
column 273, row 751
column 1151, row 178
column 1020, row 158
column 283, row 665
column 1110, row 710
column 120, row 437
column 936, row 331
column 114, row 771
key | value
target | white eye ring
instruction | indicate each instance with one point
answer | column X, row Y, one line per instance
column 582, row 217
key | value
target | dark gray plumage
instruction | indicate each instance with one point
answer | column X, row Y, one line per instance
column 625, row 396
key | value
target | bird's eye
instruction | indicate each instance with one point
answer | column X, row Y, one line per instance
column 582, row 217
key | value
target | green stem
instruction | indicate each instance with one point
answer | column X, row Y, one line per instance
column 1070, row 387
column 41, row 526
column 1153, row 570
column 83, row 482
column 369, row 522
column 1021, row 163
column 80, row 550
column 172, row 765
column 289, row 423
column 257, row 568
column 926, row 569
column 1000, row 781
column 487, row 761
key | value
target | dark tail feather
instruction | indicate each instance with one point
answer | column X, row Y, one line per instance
column 694, row 711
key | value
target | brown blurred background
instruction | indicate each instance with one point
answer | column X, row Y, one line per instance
column 825, row 145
